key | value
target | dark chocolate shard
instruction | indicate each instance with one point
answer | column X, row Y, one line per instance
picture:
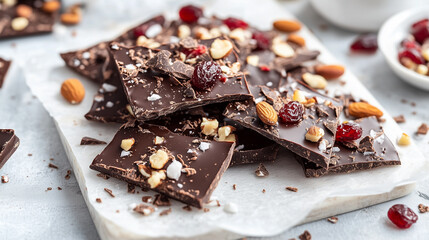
column 331, row 126
column 91, row 141
column 4, row 67
column 9, row 142
column 261, row 171
column 189, row 43
column 381, row 152
column 163, row 62
column 166, row 177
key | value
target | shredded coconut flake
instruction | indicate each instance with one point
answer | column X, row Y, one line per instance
column 322, row 146
column 108, row 87
column 109, row 104
column 174, row 170
column 86, row 55
column 76, row 62
column 153, row 30
column 153, row 97
column 174, row 39
column 239, row 147
column 204, row 146
column 179, row 185
column 368, row 153
column 335, row 149
column 380, row 139
column 130, row 67
column 99, row 98
column 230, row 208
column 259, row 99
column 115, row 47
column 269, row 84
column 125, row 153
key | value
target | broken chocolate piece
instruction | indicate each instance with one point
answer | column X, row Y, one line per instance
column 375, row 150
column 4, row 67
column 399, row 119
column 91, row 141
column 261, row 171
column 144, row 209
column 213, row 160
column 162, row 62
column 9, row 142
column 423, row 129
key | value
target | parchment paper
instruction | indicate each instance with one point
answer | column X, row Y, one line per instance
column 259, row 214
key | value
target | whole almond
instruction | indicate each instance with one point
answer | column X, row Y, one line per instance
column 266, row 113
column 287, row 25
column 363, row 109
column 330, row 71
column 24, row 11
column 70, row 18
column 296, row 39
column 73, row 90
column 51, row 6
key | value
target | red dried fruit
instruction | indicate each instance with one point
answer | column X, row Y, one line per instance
column 411, row 44
column 234, row 23
column 190, row 13
column 291, row 112
column 402, row 216
column 140, row 30
column 223, row 78
column 348, row 132
column 411, row 54
column 365, row 43
column 262, row 41
column 423, row 22
column 420, row 33
column 206, row 74
column 264, row 68
column 194, row 52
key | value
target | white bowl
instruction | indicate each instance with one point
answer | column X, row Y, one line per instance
column 393, row 31
column 362, row 15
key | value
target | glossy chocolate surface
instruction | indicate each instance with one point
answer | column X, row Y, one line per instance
column 9, row 142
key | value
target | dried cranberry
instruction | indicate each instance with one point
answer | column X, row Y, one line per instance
column 234, row 23
column 140, row 30
column 190, row 13
column 262, row 41
column 402, row 216
column 206, row 74
column 365, row 43
column 411, row 54
column 411, row 44
column 264, row 68
column 423, row 22
column 421, row 33
column 291, row 112
column 348, row 131
column 201, row 49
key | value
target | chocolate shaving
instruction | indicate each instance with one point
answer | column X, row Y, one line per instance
column 165, row 212
column 67, row 176
column 333, row 220
column 399, row 119
column 53, row 166
column 161, row 200
column 321, row 112
column 91, row 141
column 144, row 209
column 162, row 62
column 103, row 176
column 261, row 171
column 292, row 189
column 331, row 125
column 189, row 92
column 98, row 200
column 423, row 129
column 109, row 192
column 366, row 144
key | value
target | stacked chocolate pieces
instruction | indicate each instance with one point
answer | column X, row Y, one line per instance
column 197, row 98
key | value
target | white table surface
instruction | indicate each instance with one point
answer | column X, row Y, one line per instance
column 28, row 211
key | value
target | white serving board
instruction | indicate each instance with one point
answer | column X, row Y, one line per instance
column 260, row 214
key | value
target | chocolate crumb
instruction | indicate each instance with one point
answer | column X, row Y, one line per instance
column 292, row 189
column 161, row 200
column 261, row 171
column 234, row 186
column 423, row 208
column 305, row 236
column 53, row 166
column 206, row 209
column 144, row 209
column 117, row 211
column 333, row 219
column 59, row 188
column 165, row 212
column 399, row 119
column 404, row 101
column 109, row 192
column 48, row 189
column 187, row 208
column 131, row 188
column 147, row 199
column 263, row 191
column 67, row 176
column 413, row 104
column 91, row 141
column 98, row 200
column 423, row 129
column 103, row 176
column 4, row 179
column 30, row 154
column 414, row 113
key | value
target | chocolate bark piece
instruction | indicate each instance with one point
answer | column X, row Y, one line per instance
column 153, row 93
column 4, row 67
column 91, row 141
column 352, row 159
column 291, row 136
column 196, row 178
column 91, row 62
column 9, row 142
column 39, row 22
column 251, row 147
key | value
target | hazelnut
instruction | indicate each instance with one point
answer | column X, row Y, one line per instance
column 283, row 49
column 209, row 126
column 9, row 3
column 158, row 159
column 422, row 69
column 314, row 134
column 202, row 33
column 425, row 53
column 24, row 11
column 19, row 23
column 235, row 67
column 126, row 144
column 144, row 170
column 215, row 32
column 404, row 140
column 220, row 48
column 158, row 140
column 183, row 31
column 253, row 60
column 240, row 34
column 147, row 42
column 155, row 179
column 51, row 6
column 310, row 102
column 225, row 134
column 314, row 81
column 299, row 96
column 70, row 18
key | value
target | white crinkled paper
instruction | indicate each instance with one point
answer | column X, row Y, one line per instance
column 257, row 213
